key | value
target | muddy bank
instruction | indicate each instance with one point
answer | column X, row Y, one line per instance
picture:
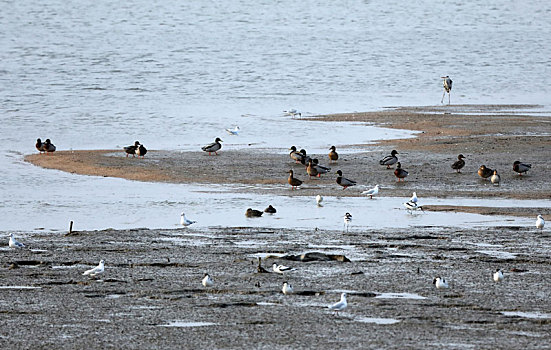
column 151, row 296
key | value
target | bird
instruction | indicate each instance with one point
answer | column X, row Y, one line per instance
column 484, row 172
column 287, row 288
column 207, row 281
column 447, row 88
column 48, row 146
column 341, row 305
column 495, row 178
column 372, row 192
column 333, row 155
column 270, row 210
column 253, row 213
column 141, row 151
column 185, row 221
column 295, row 155
column 459, row 163
column 305, row 159
column 40, row 146
column 440, row 283
column 540, row 223
column 343, row 181
column 293, row 113
column 414, row 198
column 311, row 169
column 234, row 131
column 389, row 160
column 320, row 168
column 98, row 270
column 411, row 206
column 294, row 182
column 280, row 268
column 400, row 173
column 13, row 243
column 132, row 149
column 319, row 199
column 521, row 167
column 498, row 275
column 213, row 147
column 347, row 221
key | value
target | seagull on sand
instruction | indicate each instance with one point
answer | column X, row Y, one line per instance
column 98, row 270
column 498, row 275
column 540, row 223
column 207, row 280
column 372, row 192
column 234, row 131
column 14, row 243
column 341, row 305
column 185, row 221
column 287, row 288
column 440, row 283
column 280, row 268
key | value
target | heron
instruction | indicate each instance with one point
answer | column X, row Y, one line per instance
column 447, row 88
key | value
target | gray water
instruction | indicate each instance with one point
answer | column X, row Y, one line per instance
column 174, row 75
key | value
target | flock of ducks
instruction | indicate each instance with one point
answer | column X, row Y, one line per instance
column 137, row 149
column 45, row 147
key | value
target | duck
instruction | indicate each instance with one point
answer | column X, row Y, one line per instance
column 213, row 147
column 296, row 156
column 185, row 221
column 540, row 223
column 347, row 221
column 343, row 181
column 287, row 288
column 270, row 210
column 13, row 243
column 141, row 151
column 440, row 283
column 320, row 168
column 319, row 199
column 234, row 131
column 389, row 160
column 372, row 192
column 333, row 155
column 495, row 178
column 48, row 146
column 132, row 149
column 98, row 270
column 520, row 167
column 253, row 213
column 484, row 172
column 280, row 268
column 459, row 163
column 305, row 159
column 40, row 146
column 294, row 182
column 400, row 173
column 311, row 169
column 498, row 275
column 341, row 305
column 207, row 281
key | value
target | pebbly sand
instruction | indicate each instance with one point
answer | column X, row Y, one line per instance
column 151, row 296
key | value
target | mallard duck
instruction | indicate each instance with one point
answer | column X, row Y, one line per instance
column 213, row 147
column 305, row 159
column 141, row 151
column 40, row 146
column 484, row 172
column 270, row 210
column 440, row 283
column 498, row 275
column 447, row 88
column 521, row 167
column 207, row 281
column 311, row 169
column 341, row 305
column 372, row 192
column 296, row 156
column 459, row 163
column 253, row 213
column 287, row 288
column 294, row 182
column 320, row 168
column 400, row 173
column 343, row 181
column 132, row 149
column 48, row 146
column 495, row 178
column 389, row 160
column 333, row 155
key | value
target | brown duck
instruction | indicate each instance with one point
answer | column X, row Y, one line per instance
column 400, row 173
column 311, row 169
column 459, row 163
column 484, row 172
column 270, row 210
column 252, row 213
column 294, row 182
column 333, row 155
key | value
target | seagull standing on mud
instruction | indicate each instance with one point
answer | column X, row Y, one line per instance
column 372, row 192
column 498, row 275
column 207, row 280
column 98, row 270
column 287, row 288
column 13, row 243
column 440, row 283
column 341, row 305
column 185, row 221
column 540, row 223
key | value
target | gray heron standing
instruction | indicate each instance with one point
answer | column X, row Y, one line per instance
column 447, row 88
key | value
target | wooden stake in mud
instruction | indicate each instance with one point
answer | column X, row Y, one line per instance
column 71, row 227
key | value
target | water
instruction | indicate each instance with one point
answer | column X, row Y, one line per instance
column 175, row 75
